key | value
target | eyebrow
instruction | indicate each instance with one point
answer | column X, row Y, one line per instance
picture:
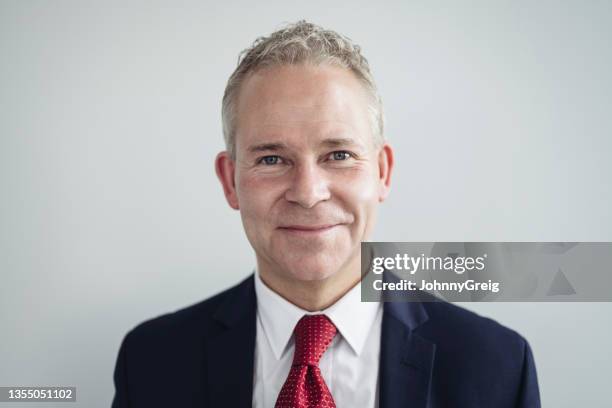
column 278, row 146
column 264, row 147
column 339, row 142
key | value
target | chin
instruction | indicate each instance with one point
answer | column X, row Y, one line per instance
column 313, row 268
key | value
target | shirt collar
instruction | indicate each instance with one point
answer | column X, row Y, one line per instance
column 352, row 317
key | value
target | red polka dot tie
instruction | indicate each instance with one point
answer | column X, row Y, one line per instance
column 305, row 387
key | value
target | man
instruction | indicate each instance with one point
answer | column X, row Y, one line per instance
column 307, row 165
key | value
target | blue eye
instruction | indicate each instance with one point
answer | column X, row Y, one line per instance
column 340, row 155
column 269, row 160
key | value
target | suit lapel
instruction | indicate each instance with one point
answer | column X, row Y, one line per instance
column 230, row 355
column 406, row 359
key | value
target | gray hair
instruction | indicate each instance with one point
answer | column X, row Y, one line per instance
column 298, row 43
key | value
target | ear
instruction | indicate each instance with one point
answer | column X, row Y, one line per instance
column 385, row 168
column 225, row 168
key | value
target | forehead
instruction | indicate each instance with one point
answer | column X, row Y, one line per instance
column 300, row 104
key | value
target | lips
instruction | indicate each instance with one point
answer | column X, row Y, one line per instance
column 308, row 229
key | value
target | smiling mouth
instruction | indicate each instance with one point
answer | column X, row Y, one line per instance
column 308, row 229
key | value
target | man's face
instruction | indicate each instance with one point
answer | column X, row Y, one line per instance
column 308, row 177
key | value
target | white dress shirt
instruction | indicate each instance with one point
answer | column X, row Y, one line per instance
column 350, row 364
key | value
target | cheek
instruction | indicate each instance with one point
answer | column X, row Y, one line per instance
column 360, row 191
column 367, row 197
column 359, row 196
column 253, row 210
column 256, row 197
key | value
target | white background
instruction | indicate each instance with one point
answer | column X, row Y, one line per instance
column 110, row 120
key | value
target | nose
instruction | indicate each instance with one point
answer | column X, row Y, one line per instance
column 308, row 186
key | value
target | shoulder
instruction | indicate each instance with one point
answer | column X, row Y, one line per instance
column 194, row 322
column 473, row 346
column 169, row 352
column 459, row 325
column 478, row 354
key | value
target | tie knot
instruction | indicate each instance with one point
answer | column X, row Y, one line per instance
column 313, row 335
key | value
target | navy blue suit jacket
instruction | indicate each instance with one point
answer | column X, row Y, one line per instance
column 432, row 355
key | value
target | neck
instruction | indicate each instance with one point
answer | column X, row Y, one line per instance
column 312, row 295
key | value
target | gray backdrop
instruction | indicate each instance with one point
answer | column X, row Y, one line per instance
column 110, row 119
